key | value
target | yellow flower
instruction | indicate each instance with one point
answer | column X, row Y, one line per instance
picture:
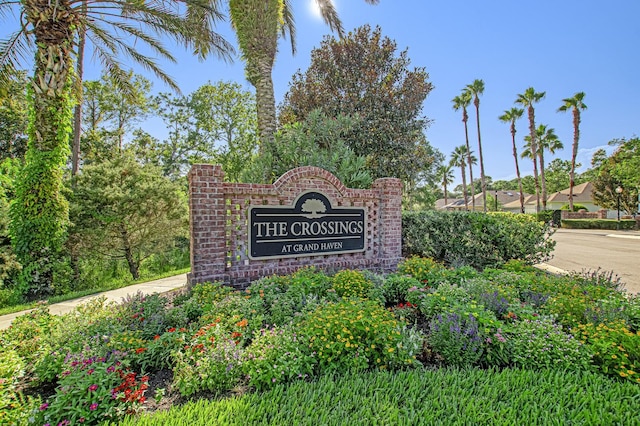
column 614, row 356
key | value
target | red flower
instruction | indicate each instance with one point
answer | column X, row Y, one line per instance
column 171, row 330
column 156, row 337
column 140, row 350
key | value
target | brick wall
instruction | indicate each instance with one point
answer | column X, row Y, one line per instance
column 218, row 213
column 600, row 214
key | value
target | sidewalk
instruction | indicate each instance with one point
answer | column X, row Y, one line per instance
column 158, row 286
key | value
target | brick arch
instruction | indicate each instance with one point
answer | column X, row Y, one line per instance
column 293, row 176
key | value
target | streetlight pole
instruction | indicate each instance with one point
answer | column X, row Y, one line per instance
column 496, row 200
column 618, row 192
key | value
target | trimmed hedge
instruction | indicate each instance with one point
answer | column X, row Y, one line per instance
column 598, row 224
column 476, row 239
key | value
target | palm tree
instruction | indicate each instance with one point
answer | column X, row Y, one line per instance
column 510, row 116
column 575, row 103
column 547, row 141
column 459, row 159
column 445, row 174
column 462, row 101
column 40, row 211
column 258, row 24
column 476, row 89
column 528, row 99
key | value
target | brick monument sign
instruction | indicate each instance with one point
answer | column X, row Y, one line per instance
column 241, row 232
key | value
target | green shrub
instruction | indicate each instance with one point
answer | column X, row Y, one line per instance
column 352, row 335
column 615, row 349
column 350, row 283
column 210, row 361
column 429, row 272
column 456, row 338
column 576, row 207
column 440, row 300
column 395, row 288
column 15, row 408
column 476, row 239
column 610, row 224
column 543, row 344
column 277, row 355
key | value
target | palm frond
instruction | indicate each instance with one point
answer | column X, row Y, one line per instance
column 289, row 26
column 330, row 15
column 14, row 50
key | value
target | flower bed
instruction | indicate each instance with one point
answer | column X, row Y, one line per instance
column 102, row 360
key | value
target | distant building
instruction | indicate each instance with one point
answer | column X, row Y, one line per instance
column 504, row 198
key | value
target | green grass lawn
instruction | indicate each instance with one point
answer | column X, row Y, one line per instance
column 423, row 397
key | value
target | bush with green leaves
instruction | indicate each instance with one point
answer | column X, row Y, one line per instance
column 352, row 335
column 351, row 283
column 456, row 338
column 277, row 355
column 14, row 406
column 396, row 286
column 93, row 389
column 610, row 224
column 210, row 361
column 542, row 343
column 615, row 348
column 426, row 270
column 146, row 313
column 475, row 239
column 436, row 301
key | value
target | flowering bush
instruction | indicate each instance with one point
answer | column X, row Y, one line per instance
column 146, row 314
column 352, row 335
column 14, row 407
column 349, row 283
column 277, row 355
column 456, row 338
column 209, row 361
column 616, row 350
column 406, row 312
column 158, row 353
column 429, row 272
column 395, row 288
column 543, row 344
column 439, row 300
column 93, row 390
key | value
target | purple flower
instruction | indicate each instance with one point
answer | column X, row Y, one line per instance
column 90, row 371
column 93, row 407
column 111, row 369
column 93, row 388
column 44, row 406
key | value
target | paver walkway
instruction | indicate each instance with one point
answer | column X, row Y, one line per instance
column 162, row 285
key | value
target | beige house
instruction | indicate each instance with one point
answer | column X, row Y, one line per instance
column 581, row 195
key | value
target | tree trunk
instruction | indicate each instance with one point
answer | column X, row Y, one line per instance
column 574, row 154
column 543, row 179
column 464, row 186
column 465, row 117
column 534, row 154
column 482, row 179
column 128, row 253
column 77, row 113
column 266, row 108
column 515, row 156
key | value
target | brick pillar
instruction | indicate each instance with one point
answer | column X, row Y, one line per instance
column 206, row 223
column 390, row 234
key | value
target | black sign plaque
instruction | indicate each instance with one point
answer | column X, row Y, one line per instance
column 311, row 227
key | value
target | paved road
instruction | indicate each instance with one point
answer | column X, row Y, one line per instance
column 617, row 251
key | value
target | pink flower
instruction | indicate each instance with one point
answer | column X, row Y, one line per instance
column 90, row 371
column 44, row 406
column 93, row 388
column 93, row 407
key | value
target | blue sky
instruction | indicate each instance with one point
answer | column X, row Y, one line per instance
column 561, row 47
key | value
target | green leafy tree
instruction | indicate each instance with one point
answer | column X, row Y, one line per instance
column 39, row 213
column 620, row 169
column 547, row 141
column 226, row 121
column 511, row 116
column 476, row 89
column 361, row 75
column 8, row 261
column 258, row 24
column 317, row 141
column 122, row 210
column 13, row 117
column 462, row 101
column 528, row 99
column 575, row 104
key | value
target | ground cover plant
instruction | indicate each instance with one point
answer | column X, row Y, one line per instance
column 106, row 361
